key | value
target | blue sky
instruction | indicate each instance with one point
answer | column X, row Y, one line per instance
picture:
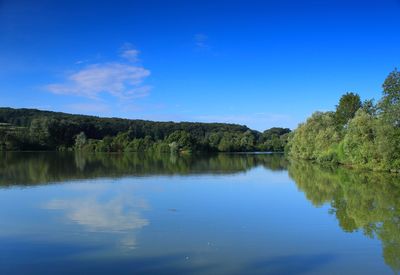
column 258, row 63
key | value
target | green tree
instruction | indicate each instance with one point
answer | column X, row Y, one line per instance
column 39, row 131
column 80, row 141
column 120, row 142
column 105, row 145
column 247, row 141
column 349, row 103
column 387, row 143
column 370, row 107
column 316, row 139
column 359, row 143
column 184, row 141
column 390, row 102
column 213, row 140
column 275, row 131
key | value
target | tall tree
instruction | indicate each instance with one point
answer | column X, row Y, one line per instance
column 349, row 103
column 390, row 102
column 80, row 141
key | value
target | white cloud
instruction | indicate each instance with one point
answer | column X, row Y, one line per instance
column 124, row 81
column 78, row 62
column 130, row 54
column 200, row 41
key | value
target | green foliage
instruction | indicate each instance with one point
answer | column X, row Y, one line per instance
column 370, row 138
column 390, row 103
column 64, row 127
column 59, row 131
column 274, row 139
column 39, row 131
column 181, row 141
column 388, row 145
column 104, row 145
column 315, row 139
column 80, row 141
column 349, row 103
column 369, row 107
column 359, row 142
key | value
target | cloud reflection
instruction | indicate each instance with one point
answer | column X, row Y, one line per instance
column 119, row 214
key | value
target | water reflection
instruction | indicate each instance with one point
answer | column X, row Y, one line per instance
column 360, row 201
column 163, row 221
column 117, row 214
column 40, row 168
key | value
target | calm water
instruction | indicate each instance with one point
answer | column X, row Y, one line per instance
column 220, row 214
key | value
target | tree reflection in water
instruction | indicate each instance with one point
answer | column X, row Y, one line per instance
column 41, row 168
column 360, row 200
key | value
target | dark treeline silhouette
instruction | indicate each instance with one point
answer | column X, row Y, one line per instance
column 30, row 129
column 360, row 134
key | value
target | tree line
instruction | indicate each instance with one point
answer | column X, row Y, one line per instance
column 360, row 134
column 30, row 129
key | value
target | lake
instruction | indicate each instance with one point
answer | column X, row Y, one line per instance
column 65, row 213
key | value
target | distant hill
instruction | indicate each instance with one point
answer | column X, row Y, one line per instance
column 23, row 129
column 23, row 117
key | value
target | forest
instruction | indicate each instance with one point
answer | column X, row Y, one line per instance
column 357, row 134
column 30, row 129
